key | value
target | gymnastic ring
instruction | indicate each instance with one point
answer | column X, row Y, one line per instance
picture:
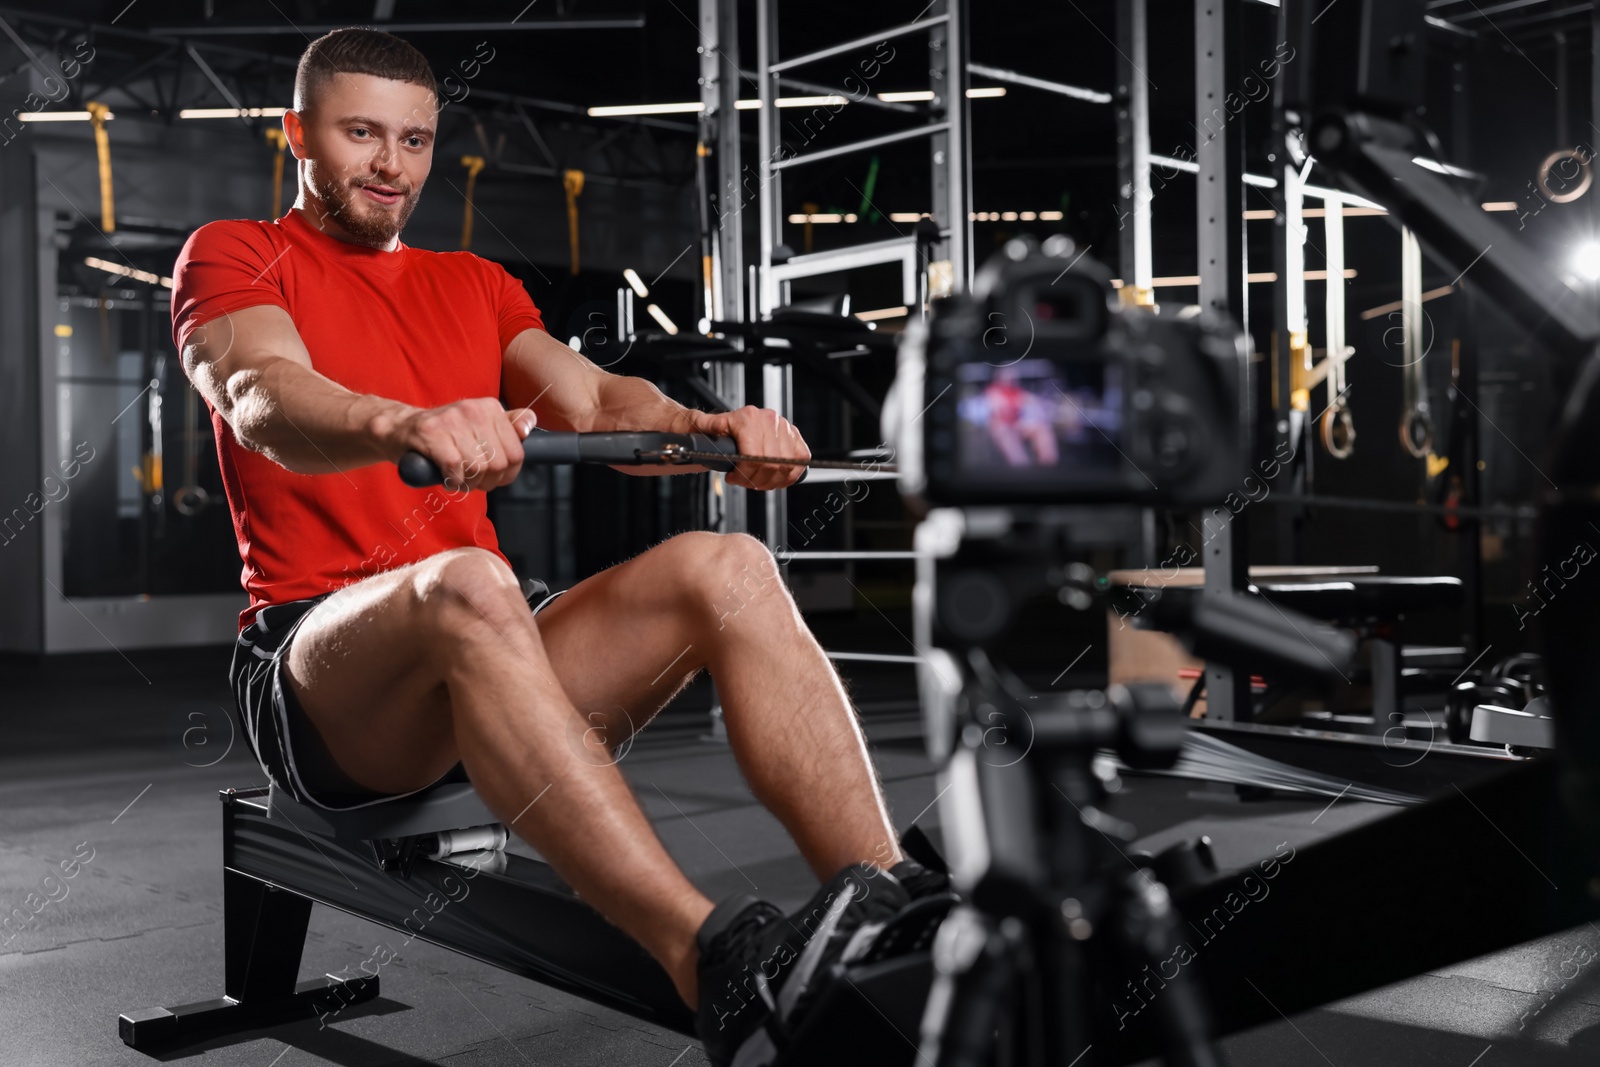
column 1338, row 431
column 190, row 500
column 1410, row 423
column 1551, row 160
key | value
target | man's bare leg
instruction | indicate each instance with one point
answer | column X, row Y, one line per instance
column 520, row 702
column 404, row 673
column 790, row 725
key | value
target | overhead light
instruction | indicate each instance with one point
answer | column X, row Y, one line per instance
column 883, row 313
column 1399, row 305
column 661, row 317
column 912, row 96
column 127, row 272
column 831, row 100
column 232, row 113
column 800, row 218
column 1352, row 211
column 645, row 109
column 794, row 101
column 1255, row 278
column 1586, row 260
column 695, row 107
column 57, row 116
column 632, row 278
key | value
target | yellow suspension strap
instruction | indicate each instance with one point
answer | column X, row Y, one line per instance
column 279, row 140
column 473, row 164
column 102, row 143
column 572, row 181
column 707, row 265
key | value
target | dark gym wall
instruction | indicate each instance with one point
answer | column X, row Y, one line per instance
column 196, row 171
column 170, row 179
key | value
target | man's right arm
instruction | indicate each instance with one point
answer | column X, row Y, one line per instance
column 254, row 370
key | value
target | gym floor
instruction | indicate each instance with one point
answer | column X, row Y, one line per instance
column 127, row 755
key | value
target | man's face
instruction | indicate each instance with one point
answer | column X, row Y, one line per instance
column 367, row 146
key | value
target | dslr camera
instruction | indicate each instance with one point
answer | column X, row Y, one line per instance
column 1039, row 388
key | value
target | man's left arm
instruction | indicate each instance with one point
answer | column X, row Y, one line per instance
column 566, row 391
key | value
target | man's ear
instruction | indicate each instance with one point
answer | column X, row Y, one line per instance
column 295, row 130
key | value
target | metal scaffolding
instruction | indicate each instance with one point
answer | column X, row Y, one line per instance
column 728, row 192
column 930, row 265
column 950, row 157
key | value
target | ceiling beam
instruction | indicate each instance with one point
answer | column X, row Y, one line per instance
column 627, row 22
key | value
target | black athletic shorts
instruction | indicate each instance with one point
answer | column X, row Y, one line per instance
column 284, row 742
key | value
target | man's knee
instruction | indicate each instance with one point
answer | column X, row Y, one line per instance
column 719, row 557
column 728, row 571
column 459, row 589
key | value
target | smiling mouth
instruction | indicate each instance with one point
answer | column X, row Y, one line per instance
column 382, row 194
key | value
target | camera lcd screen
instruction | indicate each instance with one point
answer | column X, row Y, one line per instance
column 1039, row 419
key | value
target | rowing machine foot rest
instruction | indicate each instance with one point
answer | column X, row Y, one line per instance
column 874, row 1016
column 155, row 1028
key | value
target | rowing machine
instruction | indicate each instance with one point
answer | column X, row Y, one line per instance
column 392, row 863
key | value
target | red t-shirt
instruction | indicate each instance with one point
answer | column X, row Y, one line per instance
column 1005, row 402
column 424, row 328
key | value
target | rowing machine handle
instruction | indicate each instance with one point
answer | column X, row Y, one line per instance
column 557, row 447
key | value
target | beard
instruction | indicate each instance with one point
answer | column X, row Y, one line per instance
column 368, row 223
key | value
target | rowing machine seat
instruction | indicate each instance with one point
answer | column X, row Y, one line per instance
column 447, row 805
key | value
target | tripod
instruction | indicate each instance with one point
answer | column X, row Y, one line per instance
column 1058, row 912
column 1059, row 899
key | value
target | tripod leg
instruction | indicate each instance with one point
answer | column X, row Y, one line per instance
column 974, row 970
column 1150, row 932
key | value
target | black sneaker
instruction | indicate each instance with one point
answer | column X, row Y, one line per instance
column 920, row 881
column 759, row 971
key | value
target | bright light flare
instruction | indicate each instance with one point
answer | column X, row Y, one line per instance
column 1586, row 260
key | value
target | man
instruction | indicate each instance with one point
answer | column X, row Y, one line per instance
column 387, row 638
column 1019, row 418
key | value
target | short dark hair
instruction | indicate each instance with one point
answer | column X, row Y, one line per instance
column 358, row 50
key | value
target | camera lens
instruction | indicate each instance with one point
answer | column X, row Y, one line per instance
column 1172, row 446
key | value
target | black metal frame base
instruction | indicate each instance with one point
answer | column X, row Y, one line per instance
column 155, row 1028
column 264, row 931
column 519, row 917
